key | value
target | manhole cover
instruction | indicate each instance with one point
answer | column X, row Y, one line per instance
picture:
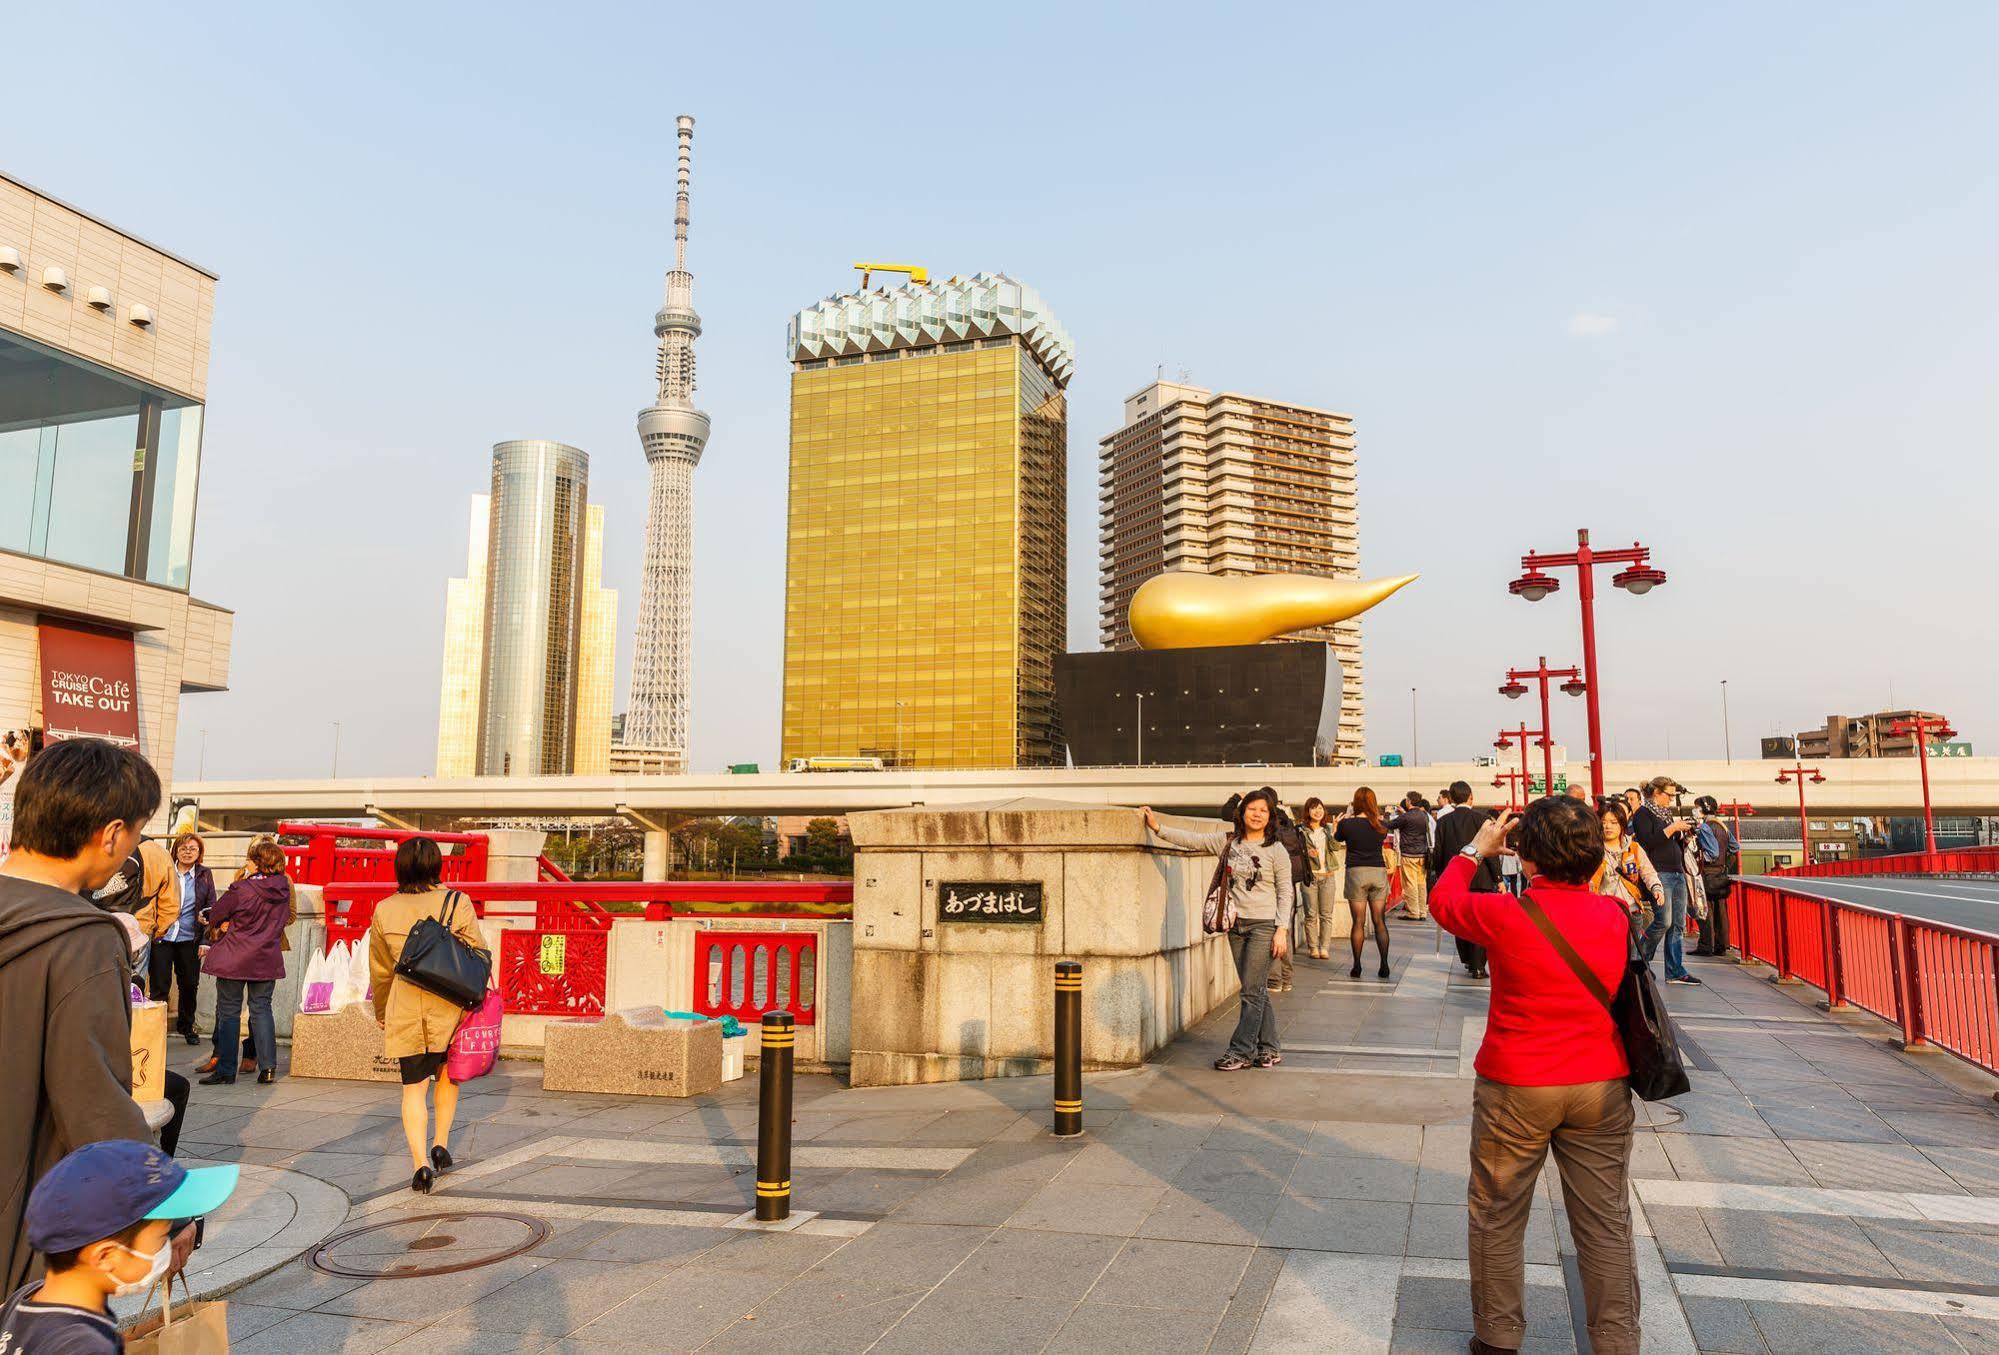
column 414, row 1246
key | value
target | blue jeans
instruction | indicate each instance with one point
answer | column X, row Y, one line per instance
column 1256, row 1028
column 1669, row 919
column 228, row 1016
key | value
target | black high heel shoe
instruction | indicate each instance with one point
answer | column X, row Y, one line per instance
column 1383, row 971
column 1354, row 973
column 420, row 1183
column 440, row 1158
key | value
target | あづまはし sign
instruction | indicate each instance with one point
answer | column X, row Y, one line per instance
column 989, row 903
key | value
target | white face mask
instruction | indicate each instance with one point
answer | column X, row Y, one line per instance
column 157, row 1265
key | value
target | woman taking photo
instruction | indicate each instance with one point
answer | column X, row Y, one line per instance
column 1626, row 873
column 1361, row 830
column 1259, row 884
column 1551, row 1072
column 417, row 1026
column 246, row 957
column 1327, row 856
column 176, row 957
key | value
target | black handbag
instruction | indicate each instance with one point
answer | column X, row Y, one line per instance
column 1638, row 1011
column 436, row 961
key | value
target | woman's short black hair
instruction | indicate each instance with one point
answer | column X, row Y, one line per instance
column 1269, row 802
column 1563, row 838
column 76, row 788
column 419, row 865
column 1707, row 804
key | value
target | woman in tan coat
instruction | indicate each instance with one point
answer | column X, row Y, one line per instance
column 417, row 1025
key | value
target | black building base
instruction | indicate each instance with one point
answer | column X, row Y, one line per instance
column 1224, row 705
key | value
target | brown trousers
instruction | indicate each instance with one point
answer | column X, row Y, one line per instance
column 1589, row 1127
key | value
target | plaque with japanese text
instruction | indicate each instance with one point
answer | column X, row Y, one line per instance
column 989, row 903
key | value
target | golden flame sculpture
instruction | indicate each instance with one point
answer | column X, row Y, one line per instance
column 1184, row 610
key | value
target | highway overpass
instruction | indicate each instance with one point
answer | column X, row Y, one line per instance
column 1851, row 786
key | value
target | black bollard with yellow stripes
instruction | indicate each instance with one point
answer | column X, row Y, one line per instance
column 774, row 1118
column 1068, row 1049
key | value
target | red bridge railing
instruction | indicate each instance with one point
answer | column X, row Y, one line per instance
column 328, row 854
column 1939, row 983
column 1956, row 861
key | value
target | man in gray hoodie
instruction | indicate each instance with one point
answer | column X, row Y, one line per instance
column 65, row 971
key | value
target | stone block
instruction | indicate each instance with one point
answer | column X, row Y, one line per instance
column 641, row 971
column 344, row 1044
column 1033, row 823
column 895, row 1001
column 1043, row 868
column 635, row 1052
column 1112, row 904
column 881, row 1068
column 1022, row 1007
column 1115, row 996
column 964, row 1003
column 888, row 900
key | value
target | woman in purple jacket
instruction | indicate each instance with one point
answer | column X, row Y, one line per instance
column 248, row 925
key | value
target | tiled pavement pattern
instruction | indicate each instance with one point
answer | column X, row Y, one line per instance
column 1819, row 1190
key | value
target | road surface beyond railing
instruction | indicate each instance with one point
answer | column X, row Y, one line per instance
column 1939, row 983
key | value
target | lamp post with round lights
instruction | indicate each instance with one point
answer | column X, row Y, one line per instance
column 1508, row 737
column 1637, row 577
column 1516, row 788
column 1923, row 728
column 1735, row 809
column 1515, row 688
column 1801, row 774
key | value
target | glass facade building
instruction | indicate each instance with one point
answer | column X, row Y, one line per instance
column 97, row 469
column 527, row 664
column 926, row 556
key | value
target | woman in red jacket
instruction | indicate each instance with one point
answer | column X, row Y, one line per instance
column 1551, row 1073
column 247, row 959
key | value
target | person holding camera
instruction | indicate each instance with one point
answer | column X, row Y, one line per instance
column 1719, row 857
column 1551, row 1072
column 1661, row 836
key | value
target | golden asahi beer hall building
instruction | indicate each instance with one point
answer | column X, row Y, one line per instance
column 103, row 384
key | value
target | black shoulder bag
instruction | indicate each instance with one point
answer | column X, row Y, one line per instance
column 436, row 961
column 1638, row 1011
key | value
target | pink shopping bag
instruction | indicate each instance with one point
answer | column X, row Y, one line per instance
column 475, row 1045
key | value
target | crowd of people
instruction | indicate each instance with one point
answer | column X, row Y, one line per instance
column 92, row 915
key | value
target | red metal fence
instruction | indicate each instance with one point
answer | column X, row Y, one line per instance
column 745, row 974
column 1957, row 861
column 1939, row 983
column 558, row 966
column 328, row 854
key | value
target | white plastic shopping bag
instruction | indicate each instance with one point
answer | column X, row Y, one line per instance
column 316, row 992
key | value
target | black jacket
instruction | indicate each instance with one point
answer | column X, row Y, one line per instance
column 1454, row 833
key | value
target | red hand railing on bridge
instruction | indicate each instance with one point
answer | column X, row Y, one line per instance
column 1939, row 983
column 328, row 855
column 1953, row 861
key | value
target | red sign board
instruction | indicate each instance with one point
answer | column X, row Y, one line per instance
column 90, row 684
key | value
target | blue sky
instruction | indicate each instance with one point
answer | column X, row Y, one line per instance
column 1717, row 276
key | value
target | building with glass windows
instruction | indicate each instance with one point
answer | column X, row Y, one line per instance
column 530, row 631
column 925, row 595
column 103, row 382
column 1224, row 483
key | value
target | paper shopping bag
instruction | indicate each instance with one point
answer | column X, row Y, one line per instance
column 149, row 1051
column 188, row 1329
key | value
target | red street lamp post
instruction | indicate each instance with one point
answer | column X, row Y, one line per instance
column 1506, row 738
column 1516, row 788
column 1799, row 774
column 1922, row 727
column 1515, row 689
column 1736, row 809
column 1638, row 577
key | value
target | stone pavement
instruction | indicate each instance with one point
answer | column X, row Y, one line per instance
column 1818, row 1190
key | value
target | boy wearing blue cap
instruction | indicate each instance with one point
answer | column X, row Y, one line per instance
column 101, row 1219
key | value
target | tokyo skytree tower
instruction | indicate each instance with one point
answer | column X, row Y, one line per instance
column 674, row 432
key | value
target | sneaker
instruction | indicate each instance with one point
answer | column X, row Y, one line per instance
column 1229, row 1063
column 1685, row 978
column 1268, row 1060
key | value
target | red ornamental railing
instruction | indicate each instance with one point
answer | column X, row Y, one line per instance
column 746, row 974
column 328, row 856
column 1955, row 861
column 1939, row 983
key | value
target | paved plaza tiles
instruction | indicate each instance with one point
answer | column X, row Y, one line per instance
column 1819, row 1190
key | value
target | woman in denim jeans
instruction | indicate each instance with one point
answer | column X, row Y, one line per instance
column 1260, row 887
column 247, row 959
